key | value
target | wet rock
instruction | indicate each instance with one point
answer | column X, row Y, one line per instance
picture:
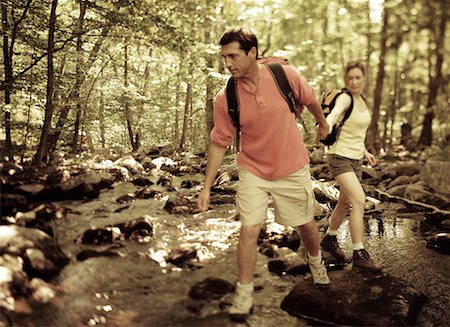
column 126, row 198
column 99, row 236
column 356, row 298
column 130, row 163
column 86, row 254
column 182, row 257
column 289, row 262
column 400, row 169
column 439, row 242
column 179, row 204
column 189, row 184
column 211, row 288
column 12, row 202
column 140, row 230
column 85, row 185
column 403, row 180
column 42, row 292
column 165, row 180
column 142, row 181
column 419, row 192
column 38, row 265
column 435, row 174
column 147, row 193
column 369, row 172
column 16, row 241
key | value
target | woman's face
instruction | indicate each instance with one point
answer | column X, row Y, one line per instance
column 354, row 80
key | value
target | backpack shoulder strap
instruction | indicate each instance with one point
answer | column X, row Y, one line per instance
column 283, row 84
column 233, row 107
column 349, row 109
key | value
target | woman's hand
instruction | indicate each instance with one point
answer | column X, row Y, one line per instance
column 370, row 158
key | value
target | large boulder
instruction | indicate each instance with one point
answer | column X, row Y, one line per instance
column 356, row 298
column 436, row 175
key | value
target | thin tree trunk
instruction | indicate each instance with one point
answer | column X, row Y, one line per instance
column 42, row 149
column 79, row 72
column 373, row 128
column 126, row 97
column 73, row 93
column 7, row 61
column 435, row 80
column 102, row 120
column 187, row 111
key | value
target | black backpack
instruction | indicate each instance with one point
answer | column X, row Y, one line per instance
column 328, row 101
column 279, row 75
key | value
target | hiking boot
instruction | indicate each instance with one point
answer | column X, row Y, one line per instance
column 361, row 259
column 331, row 245
column 241, row 306
column 319, row 275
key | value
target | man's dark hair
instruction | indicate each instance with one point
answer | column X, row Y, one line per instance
column 246, row 38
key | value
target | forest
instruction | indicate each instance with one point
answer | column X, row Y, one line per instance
column 106, row 111
column 85, row 76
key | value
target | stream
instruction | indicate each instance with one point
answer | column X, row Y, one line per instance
column 136, row 287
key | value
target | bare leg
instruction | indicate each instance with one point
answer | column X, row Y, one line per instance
column 354, row 194
column 310, row 236
column 246, row 252
column 339, row 212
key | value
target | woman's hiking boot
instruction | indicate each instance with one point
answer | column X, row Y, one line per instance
column 362, row 259
column 331, row 245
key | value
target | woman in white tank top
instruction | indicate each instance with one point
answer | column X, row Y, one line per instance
column 345, row 159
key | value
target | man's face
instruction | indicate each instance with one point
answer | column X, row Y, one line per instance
column 237, row 62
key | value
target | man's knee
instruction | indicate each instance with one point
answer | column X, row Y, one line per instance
column 250, row 233
column 308, row 227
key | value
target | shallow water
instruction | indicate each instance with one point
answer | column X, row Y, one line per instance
column 139, row 288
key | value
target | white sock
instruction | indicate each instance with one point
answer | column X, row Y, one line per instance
column 315, row 261
column 331, row 232
column 358, row 246
column 246, row 287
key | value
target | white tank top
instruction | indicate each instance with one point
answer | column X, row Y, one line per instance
column 350, row 143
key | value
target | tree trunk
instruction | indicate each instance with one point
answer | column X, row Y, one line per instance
column 435, row 80
column 79, row 72
column 187, row 110
column 209, row 105
column 42, row 149
column 7, row 62
column 126, row 98
column 177, row 106
column 102, row 121
column 373, row 128
column 73, row 93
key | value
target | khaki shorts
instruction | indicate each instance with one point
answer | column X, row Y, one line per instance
column 339, row 165
column 293, row 198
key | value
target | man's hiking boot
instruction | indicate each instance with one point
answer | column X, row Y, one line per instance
column 361, row 259
column 331, row 245
column 242, row 305
column 319, row 275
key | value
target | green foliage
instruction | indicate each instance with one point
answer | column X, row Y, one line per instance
column 173, row 43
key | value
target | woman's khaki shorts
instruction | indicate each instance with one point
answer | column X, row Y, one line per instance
column 293, row 198
column 339, row 165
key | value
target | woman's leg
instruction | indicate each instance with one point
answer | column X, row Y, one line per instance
column 354, row 195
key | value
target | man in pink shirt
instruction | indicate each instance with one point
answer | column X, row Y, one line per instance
column 273, row 161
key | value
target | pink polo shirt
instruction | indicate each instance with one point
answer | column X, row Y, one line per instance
column 271, row 144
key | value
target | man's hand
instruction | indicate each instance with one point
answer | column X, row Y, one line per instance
column 203, row 200
column 323, row 130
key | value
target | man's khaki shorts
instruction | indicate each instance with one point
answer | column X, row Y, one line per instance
column 293, row 198
column 339, row 165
